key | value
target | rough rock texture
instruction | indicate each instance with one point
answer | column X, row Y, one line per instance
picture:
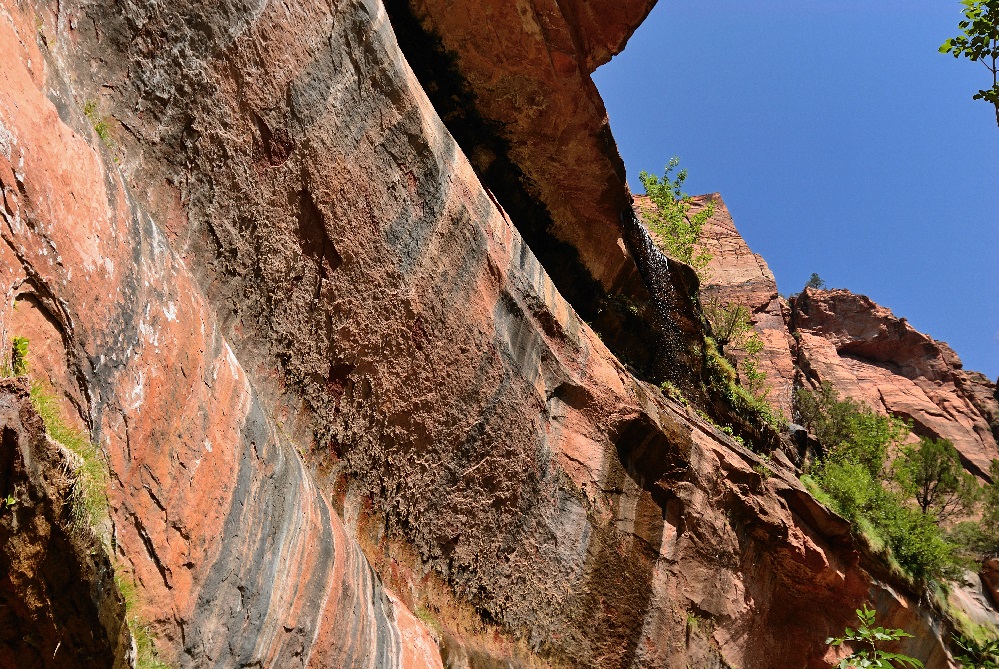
column 237, row 555
column 512, row 83
column 869, row 354
column 528, row 65
column 736, row 275
column 279, row 252
column 58, row 603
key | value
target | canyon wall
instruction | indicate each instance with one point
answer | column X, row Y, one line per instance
column 349, row 417
column 868, row 353
column 737, row 276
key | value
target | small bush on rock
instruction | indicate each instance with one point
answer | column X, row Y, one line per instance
column 678, row 231
column 869, row 637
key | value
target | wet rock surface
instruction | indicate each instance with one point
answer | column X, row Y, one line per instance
column 331, row 379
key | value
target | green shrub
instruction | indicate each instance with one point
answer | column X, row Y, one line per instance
column 852, row 476
column 678, row 231
column 976, row 654
column 848, row 428
column 672, row 392
column 99, row 123
column 19, row 356
column 730, row 322
column 980, row 540
column 751, row 372
column 869, row 637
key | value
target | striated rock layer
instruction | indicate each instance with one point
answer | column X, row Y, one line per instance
column 237, row 555
column 867, row 353
column 265, row 278
column 737, row 276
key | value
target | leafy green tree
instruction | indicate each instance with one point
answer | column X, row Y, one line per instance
column 979, row 41
column 977, row 654
column 825, row 415
column 730, row 322
column 678, row 230
column 815, row 281
column 753, row 376
column 869, row 636
column 932, row 474
column 732, row 326
column 848, row 429
column 852, row 477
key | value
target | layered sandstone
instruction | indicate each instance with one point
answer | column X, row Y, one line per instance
column 737, row 276
column 299, row 328
column 868, row 353
column 236, row 553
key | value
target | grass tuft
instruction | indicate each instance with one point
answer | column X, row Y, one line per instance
column 99, row 123
column 89, row 507
column 146, row 656
column 89, row 502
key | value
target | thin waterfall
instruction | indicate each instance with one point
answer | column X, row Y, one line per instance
column 653, row 266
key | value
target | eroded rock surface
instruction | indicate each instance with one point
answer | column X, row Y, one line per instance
column 275, row 291
column 867, row 353
column 237, row 556
column 59, row 606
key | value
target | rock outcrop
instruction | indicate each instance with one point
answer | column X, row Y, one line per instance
column 526, row 68
column 738, row 276
column 237, row 556
column 867, row 353
column 859, row 347
column 59, row 604
column 348, row 417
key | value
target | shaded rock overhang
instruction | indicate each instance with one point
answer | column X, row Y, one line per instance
column 512, row 83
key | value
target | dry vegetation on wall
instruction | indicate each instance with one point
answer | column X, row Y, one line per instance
column 88, row 502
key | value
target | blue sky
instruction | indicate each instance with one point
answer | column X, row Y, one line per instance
column 842, row 142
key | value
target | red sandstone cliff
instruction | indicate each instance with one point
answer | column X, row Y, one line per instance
column 866, row 352
column 349, row 418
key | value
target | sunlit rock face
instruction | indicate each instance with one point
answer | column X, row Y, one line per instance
column 527, row 67
column 737, row 276
column 349, row 419
column 867, row 353
column 238, row 557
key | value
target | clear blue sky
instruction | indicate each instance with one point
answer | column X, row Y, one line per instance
column 841, row 141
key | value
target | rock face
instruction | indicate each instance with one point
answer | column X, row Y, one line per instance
column 528, row 65
column 736, row 275
column 512, row 84
column 264, row 277
column 59, row 606
column 237, row 555
column 861, row 348
column 869, row 354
